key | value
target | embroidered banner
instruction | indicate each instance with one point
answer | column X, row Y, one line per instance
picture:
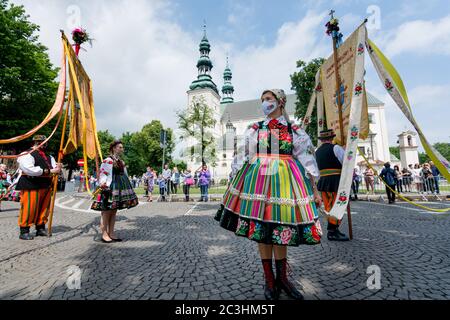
column 348, row 52
column 354, row 121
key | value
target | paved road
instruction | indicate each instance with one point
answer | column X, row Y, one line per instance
column 177, row 251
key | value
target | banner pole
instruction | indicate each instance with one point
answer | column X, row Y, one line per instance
column 341, row 120
column 60, row 157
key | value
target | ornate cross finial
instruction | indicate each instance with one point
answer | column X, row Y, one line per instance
column 204, row 27
column 228, row 55
column 332, row 12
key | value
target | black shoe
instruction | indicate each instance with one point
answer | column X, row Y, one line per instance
column 116, row 240
column 105, row 241
column 271, row 292
column 340, row 233
column 336, row 235
column 26, row 236
column 41, row 233
column 289, row 289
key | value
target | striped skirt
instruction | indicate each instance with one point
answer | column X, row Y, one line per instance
column 270, row 200
column 119, row 196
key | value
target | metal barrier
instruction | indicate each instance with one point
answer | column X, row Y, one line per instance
column 421, row 185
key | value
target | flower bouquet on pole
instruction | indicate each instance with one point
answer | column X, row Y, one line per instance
column 80, row 36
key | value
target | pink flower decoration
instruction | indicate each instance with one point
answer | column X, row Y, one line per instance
column 286, row 236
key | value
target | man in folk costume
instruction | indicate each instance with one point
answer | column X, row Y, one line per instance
column 329, row 158
column 35, row 185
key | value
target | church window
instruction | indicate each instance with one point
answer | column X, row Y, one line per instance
column 371, row 118
column 362, row 150
column 410, row 141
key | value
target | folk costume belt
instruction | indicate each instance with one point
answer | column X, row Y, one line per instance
column 274, row 156
column 330, row 172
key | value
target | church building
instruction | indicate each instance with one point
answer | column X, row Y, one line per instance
column 233, row 118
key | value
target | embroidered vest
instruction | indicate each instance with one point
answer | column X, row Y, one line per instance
column 36, row 183
column 275, row 138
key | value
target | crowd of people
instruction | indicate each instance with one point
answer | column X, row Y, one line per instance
column 170, row 179
column 420, row 179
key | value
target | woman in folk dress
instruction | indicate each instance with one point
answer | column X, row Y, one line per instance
column 272, row 197
column 117, row 191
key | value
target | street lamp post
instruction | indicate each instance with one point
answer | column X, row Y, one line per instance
column 163, row 144
column 372, row 136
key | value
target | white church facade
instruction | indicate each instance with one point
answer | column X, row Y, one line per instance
column 233, row 118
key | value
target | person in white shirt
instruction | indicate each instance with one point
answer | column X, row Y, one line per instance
column 330, row 158
column 35, row 184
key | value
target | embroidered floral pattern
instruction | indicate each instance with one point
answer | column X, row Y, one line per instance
column 350, row 155
column 358, row 89
column 242, row 228
column 343, row 199
column 388, row 85
column 312, row 234
column 354, row 134
column 319, row 88
column 256, row 231
column 277, row 131
column 360, row 49
column 284, row 235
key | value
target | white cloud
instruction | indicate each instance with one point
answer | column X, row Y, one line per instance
column 141, row 64
column 418, row 36
column 260, row 67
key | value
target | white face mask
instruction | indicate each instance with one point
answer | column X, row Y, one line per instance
column 269, row 106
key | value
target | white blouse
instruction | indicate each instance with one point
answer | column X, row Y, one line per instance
column 27, row 166
column 303, row 149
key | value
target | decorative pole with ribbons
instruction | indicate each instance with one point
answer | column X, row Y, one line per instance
column 60, row 155
column 333, row 30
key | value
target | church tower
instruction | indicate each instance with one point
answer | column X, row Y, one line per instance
column 227, row 89
column 204, row 84
column 408, row 148
column 204, row 87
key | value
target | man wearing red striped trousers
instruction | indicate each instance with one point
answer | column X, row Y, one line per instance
column 329, row 159
column 35, row 186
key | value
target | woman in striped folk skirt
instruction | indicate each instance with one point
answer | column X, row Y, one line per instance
column 117, row 192
column 272, row 198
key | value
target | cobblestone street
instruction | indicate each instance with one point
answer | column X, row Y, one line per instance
column 178, row 251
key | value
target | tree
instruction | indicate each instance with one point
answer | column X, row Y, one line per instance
column 105, row 138
column 195, row 124
column 143, row 148
column 443, row 148
column 303, row 82
column 395, row 151
column 27, row 86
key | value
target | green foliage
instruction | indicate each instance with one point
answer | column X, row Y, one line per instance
column 105, row 138
column 443, row 148
column 303, row 82
column 27, row 86
column 423, row 157
column 143, row 148
column 196, row 123
column 395, row 151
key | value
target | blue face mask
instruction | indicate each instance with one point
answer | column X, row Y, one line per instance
column 268, row 107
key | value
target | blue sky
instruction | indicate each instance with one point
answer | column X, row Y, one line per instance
column 145, row 52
